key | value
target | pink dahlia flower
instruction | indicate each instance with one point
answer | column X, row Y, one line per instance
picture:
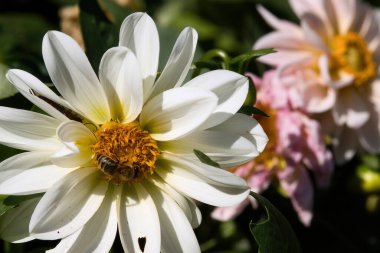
column 295, row 149
column 337, row 47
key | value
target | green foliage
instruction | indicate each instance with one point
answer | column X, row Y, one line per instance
column 273, row 234
column 20, row 39
column 249, row 110
column 9, row 202
column 205, row 159
column 99, row 33
column 6, row 88
column 219, row 59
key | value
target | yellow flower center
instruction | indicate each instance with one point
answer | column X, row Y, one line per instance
column 125, row 153
column 350, row 54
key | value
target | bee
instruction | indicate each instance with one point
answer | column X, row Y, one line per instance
column 119, row 172
column 107, row 165
column 128, row 172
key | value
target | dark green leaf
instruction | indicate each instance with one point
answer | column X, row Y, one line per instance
column 9, row 202
column 257, row 111
column 205, row 159
column 6, row 152
column 273, row 234
column 6, row 88
column 251, row 96
column 3, row 207
column 249, row 110
column 98, row 32
column 15, row 200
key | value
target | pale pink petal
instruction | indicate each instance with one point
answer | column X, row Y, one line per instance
column 229, row 213
column 318, row 98
column 346, row 12
column 351, row 109
column 315, row 32
column 301, row 193
column 278, row 24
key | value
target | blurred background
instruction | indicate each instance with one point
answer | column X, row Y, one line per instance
column 346, row 215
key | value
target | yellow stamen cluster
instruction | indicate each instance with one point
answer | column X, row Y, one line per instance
column 125, row 153
column 350, row 54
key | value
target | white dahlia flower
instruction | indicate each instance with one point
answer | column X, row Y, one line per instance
column 116, row 153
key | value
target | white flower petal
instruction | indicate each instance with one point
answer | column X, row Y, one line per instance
column 176, row 231
column 247, row 127
column 202, row 182
column 177, row 112
column 97, row 235
column 195, row 214
column 120, row 76
column 230, row 88
column 17, row 173
column 23, row 161
column 32, row 180
column 187, row 205
column 74, row 77
column 27, row 130
column 68, row 205
column 139, row 33
column 234, row 142
column 226, row 148
column 138, row 219
column 14, row 224
column 179, row 62
column 76, row 149
column 28, row 85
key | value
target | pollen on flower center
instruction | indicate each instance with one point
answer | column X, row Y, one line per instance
column 350, row 53
column 125, row 153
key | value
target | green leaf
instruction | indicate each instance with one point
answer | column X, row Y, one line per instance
column 98, row 32
column 251, row 55
column 20, row 39
column 273, row 234
column 249, row 110
column 212, row 59
column 6, row 88
column 14, row 200
column 205, row 159
column 251, row 96
column 3, row 207
column 9, row 202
